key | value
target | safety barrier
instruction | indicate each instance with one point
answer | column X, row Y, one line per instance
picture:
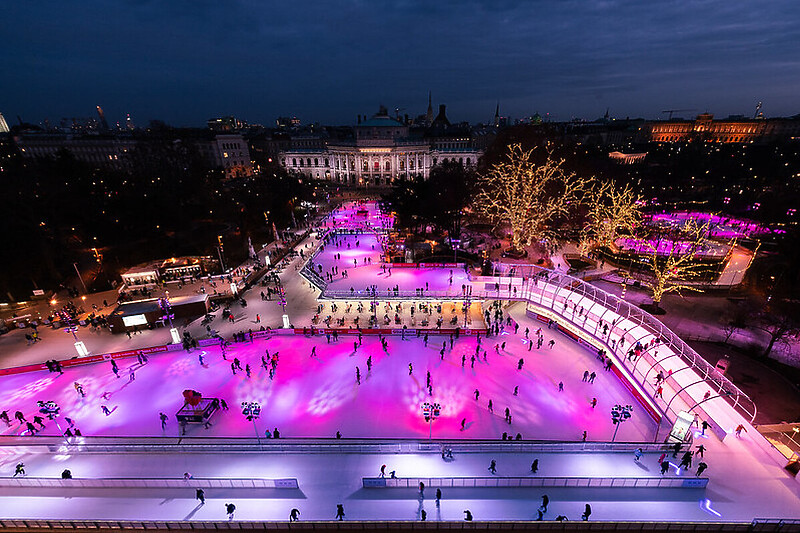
column 149, row 445
column 147, row 483
column 756, row 526
column 536, row 481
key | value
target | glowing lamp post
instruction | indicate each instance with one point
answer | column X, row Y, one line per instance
column 619, row 414
column 165, row 306
column 431, row 411
column 251, row 411
column 80, row 347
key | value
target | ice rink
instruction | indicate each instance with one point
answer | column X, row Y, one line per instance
column 317, row 396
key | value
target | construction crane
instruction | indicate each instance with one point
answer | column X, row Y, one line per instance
column 671, row 111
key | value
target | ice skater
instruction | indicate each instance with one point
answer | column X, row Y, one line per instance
column 545, row 502
column 339, row 512
column 358, row 376
column 535, row 466
column 200, row 494
column 230, row 509
column 163, row 419
column 493, row 467
column 294, row 515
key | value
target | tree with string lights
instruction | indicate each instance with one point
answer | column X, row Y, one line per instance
column 612, row 210
column 529, row 196
column 675, row 261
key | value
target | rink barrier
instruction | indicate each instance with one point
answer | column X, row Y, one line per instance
column 758, row 525
column 114, row 445
column 535, row 481
column 148, row 483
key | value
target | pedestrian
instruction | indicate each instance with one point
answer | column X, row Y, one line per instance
column 200, row 494
column 423, row 515
column 560, row 386
column 339, row 512
column 545, row 502
column 230, row 509
column 587, row 512
column 535, row 466
column 739, row 430
column 704, row 426
column 421, row 490
column 584, row 437
column 493, row 467
column 294, row 515
column 664, row 467
column 438, row 496
column 701, row 468
column 383, row 471
column 594, row 402
column 637, row 455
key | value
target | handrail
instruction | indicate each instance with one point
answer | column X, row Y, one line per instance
column 148, row 483
column 535, row 481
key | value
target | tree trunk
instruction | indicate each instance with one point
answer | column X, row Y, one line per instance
column 772, row 340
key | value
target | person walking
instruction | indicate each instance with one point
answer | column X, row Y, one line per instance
column 200, row 494
column 339, row 512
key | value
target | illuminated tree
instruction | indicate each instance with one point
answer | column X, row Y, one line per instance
column 529, row 196
column 675, row 261
column 613, row 210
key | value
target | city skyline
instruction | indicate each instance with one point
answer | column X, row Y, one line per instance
column 566, row 60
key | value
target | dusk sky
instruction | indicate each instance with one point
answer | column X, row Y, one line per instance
column 186, row 61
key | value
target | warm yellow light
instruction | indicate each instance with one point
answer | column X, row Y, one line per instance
column 53, row 301
column 83, row 298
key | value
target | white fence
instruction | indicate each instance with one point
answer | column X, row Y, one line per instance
column 147, row 483
column 536, row 481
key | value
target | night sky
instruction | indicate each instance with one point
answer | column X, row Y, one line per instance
column 186, row 61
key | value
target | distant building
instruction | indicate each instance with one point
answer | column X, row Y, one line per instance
column 101, row 151
column 383, row 150
column 230, row 152
column 732, row 130
column 627, row 159
column 226, row 124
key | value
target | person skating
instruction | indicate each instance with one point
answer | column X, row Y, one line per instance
column 467, row 515
column 664, row 467
column 339, row 512
column 421, row 490
column 230, row 509
column 686, row 460
column 423, row 516
column 535, row 466
column 463, row 424
column 491, row 408
column 200, row 494
column 701, row 450
column 438, row 496
column 545, row 502
column 20, row 470
column 493, row 467
column 637, row 455
column 477, row 394
column 739, row 430
column 701, row 467
column 105, row 410
column 587, row 512
column 520, row 363
column 358, row 376
column 516, row 390
column 4, row 418
column 294, row 515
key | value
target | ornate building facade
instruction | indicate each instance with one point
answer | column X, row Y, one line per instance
column 737, row 130
column 383, row 151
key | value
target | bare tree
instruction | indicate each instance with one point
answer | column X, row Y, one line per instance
column 528, row 196
column 778, row 319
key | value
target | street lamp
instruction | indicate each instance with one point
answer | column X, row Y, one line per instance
column 251, row 411
column 619, row 414
column 431, row 411
column 165, row 306
column 80, row 347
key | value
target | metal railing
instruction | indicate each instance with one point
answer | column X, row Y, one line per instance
column 758, row 525
column 536, row 481
column 148, row 483
column 149, row 445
